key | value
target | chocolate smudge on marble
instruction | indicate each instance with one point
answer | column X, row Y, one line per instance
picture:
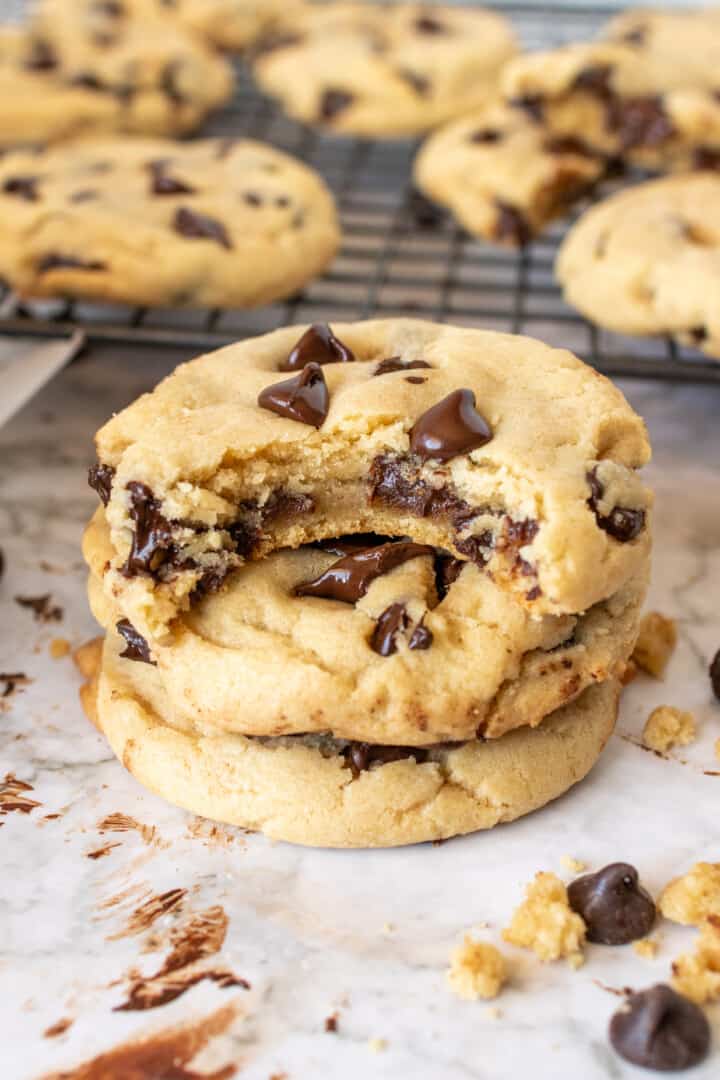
column 148, row 912
column 42, row 607
column 121, row 823
column 12, row 681
column 13, row 797
column 101, row 852
column 58, row 1028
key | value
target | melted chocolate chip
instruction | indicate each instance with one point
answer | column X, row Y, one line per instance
column 24, row 187
column 100, row 478
column 426, row 24
column 350, row 545
column 136, row 647
column 396, row 363
column 164, row 184
column 415, row 380
column 447, row 571
column 421, row 637
column 350, row 577
column 396, row 481
column 41, row 57
column 361, row 756
column 189, row 223
column 152, row 535
column 450, row 428
column 419, row 83
column 55, row 260
column 511, row 226
column 486, row 135
column 320, row 346
column 246, row 532
column 333, row 102
column 389, row 624
column 715, row 674
column 640, row 121
column 622, row 523
column 659, row 1029
column 210, row 582
column 425, row 213
column 614, row 906
column 304, row 398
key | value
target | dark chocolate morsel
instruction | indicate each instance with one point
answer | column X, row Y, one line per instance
column 426, row 24
column 622, row 523
column 189, row 223
column 350, row 577
column 55, row 260
column 660, row 1029
column 614, row 906
column 389, row 624
column 333, row 102
column 41, row 57
column 486, row 135
column 304, row 397
column 715, row 674
column 511, row 226
column 100, row 478
column 533, row 105
column 421, row 637
column 450, row 428
column 360, row 756
column 396, row 363
column 706, row 157
column 595, row 80
column 318, row 345
column 164, row 184
column 24, row 187
column 425, row 213
column 136, row 647
column 447, row 571
column 152, row 535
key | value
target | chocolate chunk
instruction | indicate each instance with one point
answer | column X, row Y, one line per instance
column 189, row 223
column 419, row 83
column 390, row 623
column 478, row 548
column 533, row 105
column 447, row 571
column 100, row 478
column 55, row 260
column 25, row 187
column 247, row 530
column 421, row 637
column 304, row 398
column 486, row 135
column 424, row 213
column 416, row 380
column 595, row 80
column 622, row 523
column 519, row 534
column 659, row 1029
column 698, row 334
column 361, row 756
column 136, row 647
column 705, row 157
column 210, row 582
column 396, row 481
column 715, row 674
column 511, row 226
column 41, row 57
column 333, row 102
column 350, row 577
column 534, row 593
column 614, row 906
column 318, row 345
column 396, row 363
column 152, row 535
column 425, row 24
column 640, row 121
column 163, row 183
column 450, row 428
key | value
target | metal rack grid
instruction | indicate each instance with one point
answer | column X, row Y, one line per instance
column 393, row 260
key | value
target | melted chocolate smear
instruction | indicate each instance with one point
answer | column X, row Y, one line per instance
column 511, row 226
column 715, row 674
column 622, row 523
column 333, row 102
column 361, row 756
column 613, row 904
column 24, row 187
column 55, row 260
column 350, row 577
column 100, row 478
column 486, row 135
column 196, row 226
column 639, row 122
column 44, row 609
column 136, row 647
column 352, row 544
column 396, row 363
column 390, row 623
column 304, row 398
column 152, row 536
column 659, row 1029
column 164, row 184
column 42, row 56
column 396, row 481
column 450, row 428
column 320, row 346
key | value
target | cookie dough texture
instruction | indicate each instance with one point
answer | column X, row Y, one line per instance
column 693, row 897
column 647, row 261
column 214, row 222
column 384, row 70
column 521, row 505
column 301, row 788
column 503, row 176
column 545, row 923
column 490, row 668
column 697, row 974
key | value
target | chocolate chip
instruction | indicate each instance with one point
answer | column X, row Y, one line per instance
column 318, row 345
column 152, row 535
column 350, row 577
column 447, row 571
column 614, row 906
column 87, row 80
column 54, row 260
column 636, row 36
column 568, row 144
column 136, row 647
column 622, row 523
column 659, row 1029
column 333, row 102
column 113, row 8
column 415, row 380
column 361, row 756
column 450, row 428
column 511, row 226
column 486, row 135
column 163, row 183
column 252, row 198
column 424, row 213
column 304, row 398
column 595, row 80
column 698, row 334
column 25, row 187
column 100, row 478
column 189, row 223
column 715, row 674
column 42, row 56
column 425, row 24
column 419, row 83
column 533, row 105
column 389, row 624
column 640, row 121
column 396, row 481
column 396, row 363
column 705, row 157
column 421, row 637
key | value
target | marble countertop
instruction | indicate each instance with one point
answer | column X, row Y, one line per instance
column 101, row 884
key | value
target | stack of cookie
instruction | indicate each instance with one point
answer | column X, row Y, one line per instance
column 367, row 586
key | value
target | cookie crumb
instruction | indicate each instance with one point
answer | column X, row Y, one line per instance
column 59, row 647
column 575, row 866
column 655, row 644
column 477, row 970
column 697, row 974
column 646, row 947
column 666, row 727
column 694, row 896
column 545, row 922
column 377, row 1045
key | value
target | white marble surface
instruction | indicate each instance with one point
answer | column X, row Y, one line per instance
column 365, row 934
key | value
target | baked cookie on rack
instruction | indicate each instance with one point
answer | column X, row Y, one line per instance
column 230, row 24
column 502, row 175
column 376, row 70
column 647, row 261
column 452, row 437
column 323, row 791
column 215, row 222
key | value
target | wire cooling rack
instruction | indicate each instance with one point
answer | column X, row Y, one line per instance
column 395, row 258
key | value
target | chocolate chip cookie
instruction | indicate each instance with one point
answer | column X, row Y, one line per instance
column 375, row 70
column 230, row 223
column 230, row 24
column 646, row 261
column 497, row 448
column 317, row 790
column 381, row 641
column 503, row 176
